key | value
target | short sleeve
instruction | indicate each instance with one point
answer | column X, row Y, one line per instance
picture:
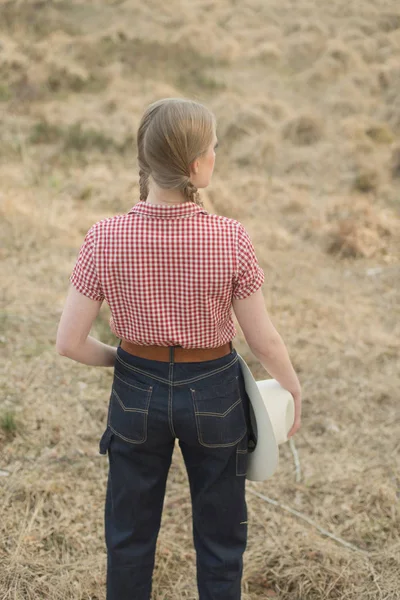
column 84, row 275
column 249, row 276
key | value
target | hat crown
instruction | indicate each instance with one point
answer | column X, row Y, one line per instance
column 280, row 406
column 271, row 417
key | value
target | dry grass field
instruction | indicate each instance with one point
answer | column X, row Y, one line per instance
column 307, row 97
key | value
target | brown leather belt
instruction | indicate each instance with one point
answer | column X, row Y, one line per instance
column 164, row 353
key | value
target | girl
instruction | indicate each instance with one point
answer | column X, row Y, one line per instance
column 171, row 273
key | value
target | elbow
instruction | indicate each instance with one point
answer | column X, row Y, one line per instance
column 68, row 348
column 66, row 343
column 61, row 349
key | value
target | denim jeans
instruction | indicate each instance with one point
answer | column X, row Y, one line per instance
column 204, row 405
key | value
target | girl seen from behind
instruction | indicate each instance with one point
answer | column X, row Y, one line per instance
column 171, row 274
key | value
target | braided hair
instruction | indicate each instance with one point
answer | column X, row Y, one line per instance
column 172, row 133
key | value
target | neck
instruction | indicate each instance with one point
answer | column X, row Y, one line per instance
column 159, row 195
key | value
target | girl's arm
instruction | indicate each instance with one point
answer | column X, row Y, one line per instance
column 73, row 340
column 268, row 347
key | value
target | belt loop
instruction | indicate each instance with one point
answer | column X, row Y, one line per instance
column 171, row 354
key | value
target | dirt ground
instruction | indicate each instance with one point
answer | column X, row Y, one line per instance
column 307, row 98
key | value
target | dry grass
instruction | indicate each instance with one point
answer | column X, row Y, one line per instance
column 395, row 163
column 303, row 131
column 307, row 106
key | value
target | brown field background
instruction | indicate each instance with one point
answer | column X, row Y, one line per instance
column 307, row 97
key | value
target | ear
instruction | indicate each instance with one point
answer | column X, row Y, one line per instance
column 194, row 167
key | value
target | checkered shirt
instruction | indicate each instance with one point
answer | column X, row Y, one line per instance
column 168, row 273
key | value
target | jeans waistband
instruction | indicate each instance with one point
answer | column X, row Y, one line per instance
column 174, row 373
column 175, row 353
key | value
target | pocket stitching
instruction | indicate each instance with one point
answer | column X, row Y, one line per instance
column 145, row 412
column 126, row 409
column 210, row 414
column 128, row 439
column 197, row 413
column 142, row 389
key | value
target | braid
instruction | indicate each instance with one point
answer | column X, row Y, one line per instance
column 144, row 168
column 164, row 152
column 191, row 193
column 143, row 184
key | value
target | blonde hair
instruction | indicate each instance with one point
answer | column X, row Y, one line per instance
column 172, row 133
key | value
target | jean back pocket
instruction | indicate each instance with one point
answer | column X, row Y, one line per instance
column 219, row 414
column 129, row 409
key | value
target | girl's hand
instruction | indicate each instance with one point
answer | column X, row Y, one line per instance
column 297, row 413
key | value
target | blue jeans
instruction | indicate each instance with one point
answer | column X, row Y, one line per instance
column 205, row 406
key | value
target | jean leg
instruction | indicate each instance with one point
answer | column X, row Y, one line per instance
column 134, row 501
column 219, row 520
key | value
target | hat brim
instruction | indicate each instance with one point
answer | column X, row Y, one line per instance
column 263, row 461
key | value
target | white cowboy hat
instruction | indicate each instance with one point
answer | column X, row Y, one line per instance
column 272, row 416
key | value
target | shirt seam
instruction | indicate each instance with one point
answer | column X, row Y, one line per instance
column 81, row 286
column 237, row 256
column 94, row 261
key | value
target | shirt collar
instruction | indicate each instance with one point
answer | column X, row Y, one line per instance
column 161, row 211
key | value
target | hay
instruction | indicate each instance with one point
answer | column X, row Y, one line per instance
column 303, row 131
column 304, row 106
column 359, row 230
column 395, row 162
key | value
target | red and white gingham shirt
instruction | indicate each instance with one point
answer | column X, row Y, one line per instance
column 168, row 273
